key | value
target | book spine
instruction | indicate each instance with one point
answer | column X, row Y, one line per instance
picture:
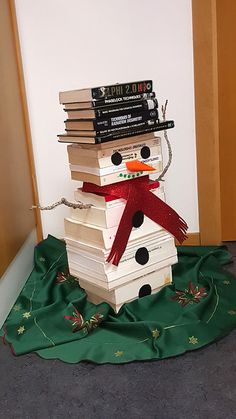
column 142, row 105
column 139, row 131
column 136, row 125
column 109, row 130
column 122, row 99
column 123, row 89
column 125, row 119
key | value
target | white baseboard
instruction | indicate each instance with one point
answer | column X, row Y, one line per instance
column 13, row 280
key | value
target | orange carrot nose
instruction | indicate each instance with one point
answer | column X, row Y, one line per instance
column 136, row 166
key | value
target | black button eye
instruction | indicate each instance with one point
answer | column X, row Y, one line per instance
column 138, row 219
column 145, row 152
column 142, row 256
column 116, row 159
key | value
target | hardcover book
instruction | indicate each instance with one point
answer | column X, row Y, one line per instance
column 91, row 137
column 126, row 119
column 104, row 92
column 91, row 128
column 111, row 111
column 111, row 102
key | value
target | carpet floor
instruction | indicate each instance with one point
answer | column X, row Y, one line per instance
column 197, row 385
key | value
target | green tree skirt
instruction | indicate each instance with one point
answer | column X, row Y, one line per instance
column 53, row 318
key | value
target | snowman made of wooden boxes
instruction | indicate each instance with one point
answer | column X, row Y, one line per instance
column 122, row 247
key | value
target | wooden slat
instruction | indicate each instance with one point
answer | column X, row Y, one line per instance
column 17, row 221
column 226, row 40
column 207, row 121
column 28, row 138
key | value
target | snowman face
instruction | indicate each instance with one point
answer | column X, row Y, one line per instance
column 111, row 165
column 133, row 160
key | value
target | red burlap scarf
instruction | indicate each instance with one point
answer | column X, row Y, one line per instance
column 138, row 198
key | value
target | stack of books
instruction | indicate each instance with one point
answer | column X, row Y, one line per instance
column 112, row 135
column 101, row 114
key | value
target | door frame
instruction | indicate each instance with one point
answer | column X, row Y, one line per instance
column 29, row 146
column 204, row 21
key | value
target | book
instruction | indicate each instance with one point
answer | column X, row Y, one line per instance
column 90, row 144
column 86, row 126
column 114, row 122
column 130, row 290
column 91, row 137
column 109, row 103
column 112, row 168
column 143, row 153
column 104, row 237
column 129, row 145
column 97, row 299
column 110, row 111
column 103, row 273
column 110, row 91
column 106, row 201
column 111, row 176
column 105, row 217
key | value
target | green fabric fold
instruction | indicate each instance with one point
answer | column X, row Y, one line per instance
column 153, row 327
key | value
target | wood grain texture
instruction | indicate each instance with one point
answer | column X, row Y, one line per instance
column 26, row 119
column 226, row 40
column 207, row 119
column 17, row 221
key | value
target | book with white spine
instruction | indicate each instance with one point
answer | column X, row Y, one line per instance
column 115, row 175
column 106, row 218
column 130, row 290
column 104, row 237
column 108, row 201
column 103, row 158
column 111, row 285
column 156, row 252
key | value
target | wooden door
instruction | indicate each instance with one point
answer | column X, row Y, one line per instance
column 226, row 54
column 214, row 40
column 17, row 177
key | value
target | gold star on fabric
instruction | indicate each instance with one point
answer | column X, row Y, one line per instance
column 119, row 353
column 42, row 259
column 193, row 340
column 21, row 330
column 17, row 307
column 26, row 315
column 226, row 282
column 155, row 334
column 231, row 312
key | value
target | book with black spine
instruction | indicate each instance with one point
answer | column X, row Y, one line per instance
column 98, row 139
column 111, row 123
column 104, row 92
column 110, row 111
column 113, row 101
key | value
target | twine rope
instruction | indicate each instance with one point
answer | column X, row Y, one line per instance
column 160, row 178
column 63, row 201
